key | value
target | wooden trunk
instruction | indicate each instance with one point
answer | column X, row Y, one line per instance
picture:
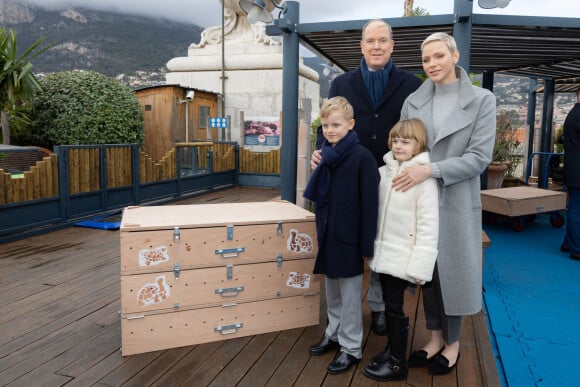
column 192, row 274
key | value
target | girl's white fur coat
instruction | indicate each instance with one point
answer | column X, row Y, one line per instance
column 408, row 224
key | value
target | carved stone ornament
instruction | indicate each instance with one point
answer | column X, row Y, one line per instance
column 236, row 27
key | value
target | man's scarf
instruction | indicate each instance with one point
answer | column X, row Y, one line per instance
column 319, row 184
column 376, row 81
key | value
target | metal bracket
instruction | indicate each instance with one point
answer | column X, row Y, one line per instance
column 176, row 270
column 230, row 272
column 176, row 234
column 230, row 232
column 135, row 317
column 280, row 228
column 279, row 260
column 228, row 329
column 230, row 253
column 224, row 291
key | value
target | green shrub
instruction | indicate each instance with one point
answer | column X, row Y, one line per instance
column 85, row 107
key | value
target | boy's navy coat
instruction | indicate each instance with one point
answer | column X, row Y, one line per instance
column 346, row 225
column 373, row 125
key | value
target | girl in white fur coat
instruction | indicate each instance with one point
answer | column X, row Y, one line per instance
column 406, row 243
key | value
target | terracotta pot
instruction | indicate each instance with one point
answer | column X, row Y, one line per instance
column 495, row 175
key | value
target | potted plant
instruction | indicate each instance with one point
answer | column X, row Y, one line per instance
column 505, row 158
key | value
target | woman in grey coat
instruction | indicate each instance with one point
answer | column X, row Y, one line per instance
column 460, row 120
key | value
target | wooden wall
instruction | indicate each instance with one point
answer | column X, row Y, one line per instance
column 165, row 121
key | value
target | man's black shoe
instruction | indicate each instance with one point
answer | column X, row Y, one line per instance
column 341, row 363
column 379, row 323
column 322, row 346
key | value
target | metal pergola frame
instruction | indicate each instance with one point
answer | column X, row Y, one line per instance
column 540, row 48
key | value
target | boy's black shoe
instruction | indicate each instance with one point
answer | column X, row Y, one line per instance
column 341, row 363
column 322, row 346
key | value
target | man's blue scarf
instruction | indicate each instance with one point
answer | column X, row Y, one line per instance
column 376, row 81
column 319, row 184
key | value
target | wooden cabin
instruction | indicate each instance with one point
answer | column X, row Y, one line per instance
column 174, row 114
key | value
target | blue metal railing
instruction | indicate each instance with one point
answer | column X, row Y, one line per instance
column 543, row 180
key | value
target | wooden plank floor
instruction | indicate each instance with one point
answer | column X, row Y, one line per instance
column 59, row 324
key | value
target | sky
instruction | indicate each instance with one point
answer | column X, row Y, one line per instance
column 206, row 13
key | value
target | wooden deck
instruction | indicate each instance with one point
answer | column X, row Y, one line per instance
column 59, row 324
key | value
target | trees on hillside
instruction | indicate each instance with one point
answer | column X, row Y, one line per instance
column 85, row 107
column 17, row 82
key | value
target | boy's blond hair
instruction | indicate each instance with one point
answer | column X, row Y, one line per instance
column 412, row 128
column 337, row 103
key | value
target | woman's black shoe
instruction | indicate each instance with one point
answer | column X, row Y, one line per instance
column 419, row 358
column 440, row 365
column 322, row 346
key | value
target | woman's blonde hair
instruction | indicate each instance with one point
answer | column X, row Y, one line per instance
column 441, row 37
column 337, row 103
column 412, row 128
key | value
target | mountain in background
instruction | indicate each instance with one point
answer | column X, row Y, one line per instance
column 106, row 42
column 133, row 49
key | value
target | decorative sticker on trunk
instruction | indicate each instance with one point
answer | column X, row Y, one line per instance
column 153, row 293
column 298, row 280
column 299, row 243
column 152, row 257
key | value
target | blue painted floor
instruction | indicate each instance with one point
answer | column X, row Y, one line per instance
column 532, row 295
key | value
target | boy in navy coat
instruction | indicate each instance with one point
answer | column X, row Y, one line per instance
column 344, row 188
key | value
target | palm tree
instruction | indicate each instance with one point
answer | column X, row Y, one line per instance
column 408, row 8
column 410, row 11
column 17, row 82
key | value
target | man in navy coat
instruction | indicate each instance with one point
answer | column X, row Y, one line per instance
column 376, row 89
column 572, row 179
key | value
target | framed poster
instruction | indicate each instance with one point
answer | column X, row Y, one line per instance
column 263, row 131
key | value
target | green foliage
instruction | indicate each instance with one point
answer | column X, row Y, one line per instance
column 418, row 11
column 17, row 82
column 16, row 78
column 506, row 142
column 313, row 128
column 86, row 108
column 19, row 122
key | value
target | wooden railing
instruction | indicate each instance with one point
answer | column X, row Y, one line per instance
column 224, row 157
column 41, row 181
column 79, row 182
column 253, row 162
column 151, row 171
column 84, row 164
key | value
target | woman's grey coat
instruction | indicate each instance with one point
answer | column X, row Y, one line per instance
column 462, row 151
